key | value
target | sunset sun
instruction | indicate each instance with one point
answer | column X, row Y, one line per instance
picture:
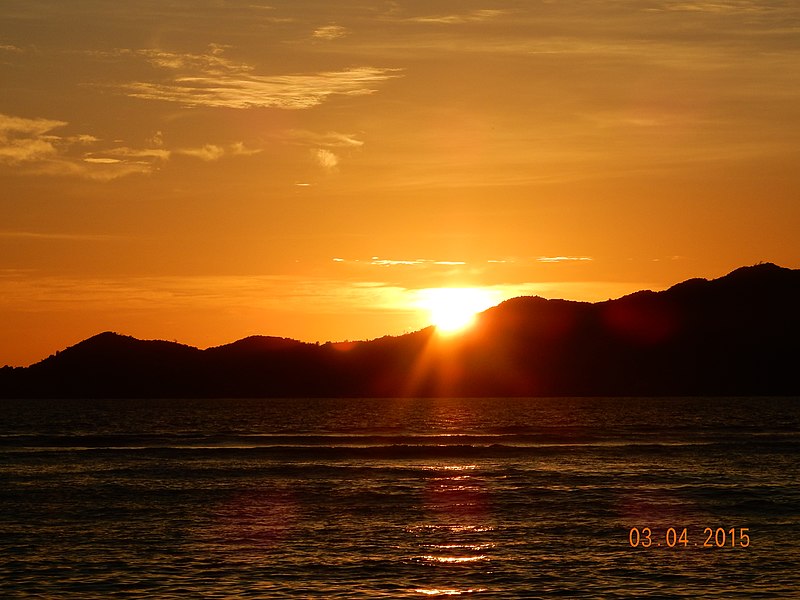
column 452, row 310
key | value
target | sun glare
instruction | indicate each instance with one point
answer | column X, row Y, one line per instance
column 452, row 310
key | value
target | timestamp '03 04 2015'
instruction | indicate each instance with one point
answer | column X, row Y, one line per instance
column 719, row 537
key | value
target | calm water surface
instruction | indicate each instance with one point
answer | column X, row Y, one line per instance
column 377, row 498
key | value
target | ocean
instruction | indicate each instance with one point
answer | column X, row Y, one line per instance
column 400, row 498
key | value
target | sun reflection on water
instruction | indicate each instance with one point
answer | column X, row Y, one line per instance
column 453, row 559
column 446, row 592
column 475, row 547
column 449, row 468
column 452, row 536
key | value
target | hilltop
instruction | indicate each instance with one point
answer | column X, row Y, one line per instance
column 736, row 335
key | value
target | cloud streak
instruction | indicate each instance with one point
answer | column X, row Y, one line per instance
column 330, row 139
column 389, row 262
column 729, row 7
column 474, row 16
column 330, row 32
column 291, row 92
column 560, row 259
column 54, row 236
column 211, row 80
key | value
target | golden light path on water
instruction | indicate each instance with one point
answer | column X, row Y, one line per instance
column 456, row 498
column 455, row 559
column 447, row 592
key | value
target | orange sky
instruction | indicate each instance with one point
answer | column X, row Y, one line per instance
column 206, row 170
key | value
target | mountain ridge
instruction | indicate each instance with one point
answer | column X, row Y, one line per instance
column 734, row 335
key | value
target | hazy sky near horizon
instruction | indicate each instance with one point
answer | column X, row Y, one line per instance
column 206, row 170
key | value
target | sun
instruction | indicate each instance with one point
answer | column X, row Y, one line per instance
column 452, row 310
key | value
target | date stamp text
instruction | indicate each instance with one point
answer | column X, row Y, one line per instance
column 675, row 537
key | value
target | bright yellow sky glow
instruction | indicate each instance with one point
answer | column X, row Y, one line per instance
column 452, row 310
column 201, row 170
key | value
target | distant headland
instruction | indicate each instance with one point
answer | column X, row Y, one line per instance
column 733, row 336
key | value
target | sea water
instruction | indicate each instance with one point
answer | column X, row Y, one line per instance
column 400, row 498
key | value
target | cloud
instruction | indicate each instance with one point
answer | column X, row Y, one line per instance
column 558, row 259
column 729, row 7
column 31, row 145
column 326, row 159
column 26, row 140
column 157, row 139
column 330, row 32
column 386, row 262
column 211, row 62
column 95, row 169
column 330, row 139
column 51, row 236
column 322, row 144
column 239, row 149
column 83, row 138
column 407, row 262
column 101, row 160
column 295, row 91
column 121, row 162
column 123, row 152
column 210, row 152
column 207, row 152
column 470, row 17
column 212, row 80
column 23, row 291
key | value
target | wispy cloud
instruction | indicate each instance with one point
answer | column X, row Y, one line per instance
column 210, row 152
column 406, row 262
column 123, row 154
column 315, row 295
column 326, row 159
column 559, row 259
column 323, row 145
column 428, row 262
column 330, row 139
column 32, row 146
column 210, row 62
column 31, row 292
column 206, row 152
column 25, row 140
column 212, row 80
column 731, row 6
column 388, row 262
column 56, row 236
column 330, row 32
column 470, row 17
column 282, row 91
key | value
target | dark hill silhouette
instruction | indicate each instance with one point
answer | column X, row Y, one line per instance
column 736, row 335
